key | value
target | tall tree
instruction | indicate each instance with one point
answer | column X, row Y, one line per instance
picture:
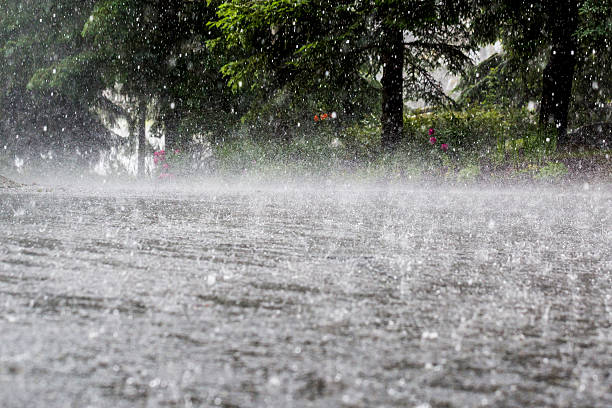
column 129, row 33
column 33, row 36
column 593, row 82
column 328, row 46
column 153, row 54
column 558, row 76
column 570, row 38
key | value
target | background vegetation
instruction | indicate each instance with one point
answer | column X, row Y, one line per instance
column 247, row 78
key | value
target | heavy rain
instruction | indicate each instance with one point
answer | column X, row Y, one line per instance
column 305, row 203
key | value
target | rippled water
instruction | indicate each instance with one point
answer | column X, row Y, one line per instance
column 280, row 296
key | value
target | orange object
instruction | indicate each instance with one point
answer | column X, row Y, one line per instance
column 316, row 118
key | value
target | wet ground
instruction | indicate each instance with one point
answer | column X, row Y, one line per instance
column 289, row 296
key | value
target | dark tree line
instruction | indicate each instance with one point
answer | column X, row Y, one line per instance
column 202, row 67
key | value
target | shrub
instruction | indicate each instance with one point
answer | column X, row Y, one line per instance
column 482, row 131
column 469, row 173
column 552, row 171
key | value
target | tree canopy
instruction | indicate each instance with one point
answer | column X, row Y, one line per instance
column 35, row 35
column 343, row 52
column 555, row 52
column 207, row 67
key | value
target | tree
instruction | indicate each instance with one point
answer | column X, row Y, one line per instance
column 327, row 46
column 558, row 76
column 570, row 38
column 33, row 36
column 153, row 54
column 132, row 37
column 592, row 100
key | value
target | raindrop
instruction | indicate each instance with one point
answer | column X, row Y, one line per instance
column 429, row 335
column 211, row 279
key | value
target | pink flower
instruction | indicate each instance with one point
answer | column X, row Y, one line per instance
column 431, row 131
column 177, row 151
column 165, row 165
column 444, row 147
column 433, row 140
column 156, row 154
column 155, row 159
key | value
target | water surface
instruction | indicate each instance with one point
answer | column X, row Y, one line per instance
column 344, row 295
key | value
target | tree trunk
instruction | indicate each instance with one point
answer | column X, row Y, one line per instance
column 558, row 75
column 142, row 140
column 392, row 55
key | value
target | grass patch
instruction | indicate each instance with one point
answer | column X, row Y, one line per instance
column 479, row 144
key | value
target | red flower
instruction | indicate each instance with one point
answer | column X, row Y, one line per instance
column 431, row 131
column 433, row 140
column 316, row 118
column 444, row 147
column 324, row 116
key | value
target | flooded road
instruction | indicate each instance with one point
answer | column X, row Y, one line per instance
column 288, row 296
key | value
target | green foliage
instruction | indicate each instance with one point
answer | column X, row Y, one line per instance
column 474, row 132
column 593, row 87
column 597, row 17
column 262, row 69
column 517, row 149
column 502, row 81
column 552, row 171
column 328, row 53
column 315, row 154
column 363, row 137
column 469, row 173
column 35, row 119
column 525, row 29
